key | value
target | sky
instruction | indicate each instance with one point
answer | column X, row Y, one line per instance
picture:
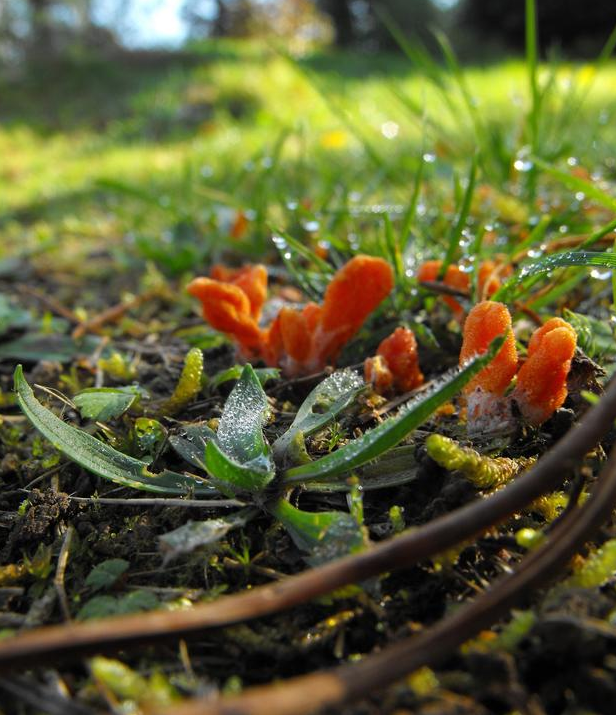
column 147, row 23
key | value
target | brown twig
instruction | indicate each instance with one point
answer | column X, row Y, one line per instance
column 309, row 694
column 49, row 302
column 71, row 640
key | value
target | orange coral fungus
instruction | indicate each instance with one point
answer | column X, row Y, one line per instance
column 488, row 280
column 542, row 380
column 227, row 308
column 251, row 279
column 395, row 364
column 299, row 341
column 454, row 278
column 486, row 321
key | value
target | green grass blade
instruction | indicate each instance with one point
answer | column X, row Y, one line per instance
column 533, row 82
column 575, row 183
column 96, row 456
column 388, row 434
column 464, row 209
column 560, row 260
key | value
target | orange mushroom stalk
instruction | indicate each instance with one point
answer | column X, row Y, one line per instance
column 395, row 367
column 299, row 341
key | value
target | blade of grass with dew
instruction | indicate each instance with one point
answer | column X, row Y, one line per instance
column 463, row 211
column 533, row 82
column 575, row 183
column 96, row 456
column 378, row 440
column 589, row 259
column 535, row 236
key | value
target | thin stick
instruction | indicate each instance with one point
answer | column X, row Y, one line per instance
column 112, row 634
column 160, row 501
column 350, row 682
column 113, row 314
column 61, row 571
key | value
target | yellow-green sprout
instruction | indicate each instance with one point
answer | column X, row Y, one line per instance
column 189, row 384
column 597, row 569
column 484, row 472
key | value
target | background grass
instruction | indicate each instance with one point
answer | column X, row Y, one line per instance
column 167, row 148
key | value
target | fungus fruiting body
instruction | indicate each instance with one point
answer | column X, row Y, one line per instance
column 541, row 382
column 395, row 367
column 487, row 409
column 298, row 340
column 488, row 280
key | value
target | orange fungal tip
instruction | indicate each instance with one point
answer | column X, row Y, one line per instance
column 397, row 354
column 486, row 321
column 542, row 381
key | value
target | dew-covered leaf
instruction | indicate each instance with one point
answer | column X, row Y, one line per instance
column 322, row 405
column 265, row 374
column 106, row 573
column 389, row 433
column 233, row 478
column 323, row 535
column 240, row 433
column 96, row 456
column 194, row 534
column 105, row 403
column 190, row 443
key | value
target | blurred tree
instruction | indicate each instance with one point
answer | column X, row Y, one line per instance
column 294, row 20
column 38, row 29
column 365, row 21
column 572, row 26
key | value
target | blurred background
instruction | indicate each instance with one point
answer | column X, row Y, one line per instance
column 163, row 128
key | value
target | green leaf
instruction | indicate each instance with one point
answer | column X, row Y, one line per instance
column 375, row 442
column 105, row 403
column 232, row 477
column 603, row 259
column 12, row 316
column 321, row 406
column 39, row 346
column 190, row 443
column 96, row 456
column 240, row 433
column 595, row 337
column 194, row 534
column 105, row 606
column 324, row 535
column 105, row 574
column 265, row 374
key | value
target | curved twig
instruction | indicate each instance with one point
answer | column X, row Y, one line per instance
column 70, row 640
column 308, row 694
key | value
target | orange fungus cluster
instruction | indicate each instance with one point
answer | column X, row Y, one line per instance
column 298, row 340
column 541, row 386
column 488, row 280
column 395, row 367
